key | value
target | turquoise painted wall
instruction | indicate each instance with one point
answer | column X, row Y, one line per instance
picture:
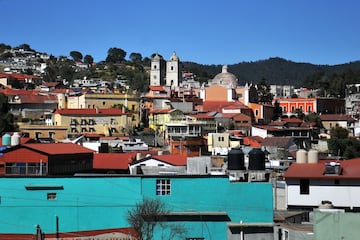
column 246, row 202
column 88, row 203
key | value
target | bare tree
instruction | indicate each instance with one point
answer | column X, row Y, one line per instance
column 149, row 214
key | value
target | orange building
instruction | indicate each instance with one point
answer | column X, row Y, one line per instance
column 308, row 105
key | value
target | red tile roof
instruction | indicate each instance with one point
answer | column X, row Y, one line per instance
column 57, row 148
column 62, row 90
column 350, row 170
column 113, row 160
column 51, row 84
column 11, row 92
column 172, row 159
column 38, row 99
column 202, row 116
column 336, row 117
column 162, row 111
column 157, row 88
column 231, row 115
column 217, row 106
column 18, row 76
column 292, row 120
column 90, row 111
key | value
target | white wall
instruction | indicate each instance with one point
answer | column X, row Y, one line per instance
column 258, row 132
column 343, row 195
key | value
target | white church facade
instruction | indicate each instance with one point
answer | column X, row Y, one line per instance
column 168, row 75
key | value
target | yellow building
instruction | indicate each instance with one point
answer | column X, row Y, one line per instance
column 106, row 121
column 159, row 118
column 104, row 100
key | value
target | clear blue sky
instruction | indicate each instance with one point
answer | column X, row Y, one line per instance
column 201, row 31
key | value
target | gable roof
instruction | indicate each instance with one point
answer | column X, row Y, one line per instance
column 203, row 116
column 336, row 117
column 292, row 120
column 233, row 115
column 276, row 141
column 113, row 160
column 350, row 170
column 57, row 148
column 18, row 76
column 218, row 106
column 10, row 91
column 172, row 159
column 43, row 99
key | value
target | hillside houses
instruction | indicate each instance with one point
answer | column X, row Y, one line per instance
column 172, row 143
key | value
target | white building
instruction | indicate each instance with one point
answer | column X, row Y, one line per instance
column 309, row 182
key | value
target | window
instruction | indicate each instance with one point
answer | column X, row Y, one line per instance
column 51, row 196
column 304, row 186
column 221, row 139
column 163, row 187
column 256, row 112
column 309, row 108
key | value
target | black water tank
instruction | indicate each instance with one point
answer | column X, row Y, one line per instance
column 256, row 159
column 236, row 159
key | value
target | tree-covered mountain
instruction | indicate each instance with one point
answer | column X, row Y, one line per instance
column 277, row 71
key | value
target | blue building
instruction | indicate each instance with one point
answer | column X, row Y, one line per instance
column 210, row 207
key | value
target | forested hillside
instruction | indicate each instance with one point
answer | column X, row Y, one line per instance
column 277, row 71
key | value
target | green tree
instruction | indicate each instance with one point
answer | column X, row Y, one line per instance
column 136, row 58
column 340, row 145
column 25, row 46
column 150, row 214
column 313, row 118
column 115, row 55
column 339, row 132
column 263, row 90
column 76, row 55
column 7, row 123
column 88, row 59
column 4, row 47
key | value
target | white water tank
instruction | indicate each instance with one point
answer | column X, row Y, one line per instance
column 301, row 156
column 15, row 139
column 313, row 156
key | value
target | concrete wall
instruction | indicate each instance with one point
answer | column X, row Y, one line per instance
column 336, row 225
column 88, row 203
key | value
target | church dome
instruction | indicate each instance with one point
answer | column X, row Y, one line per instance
column 225, row 79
